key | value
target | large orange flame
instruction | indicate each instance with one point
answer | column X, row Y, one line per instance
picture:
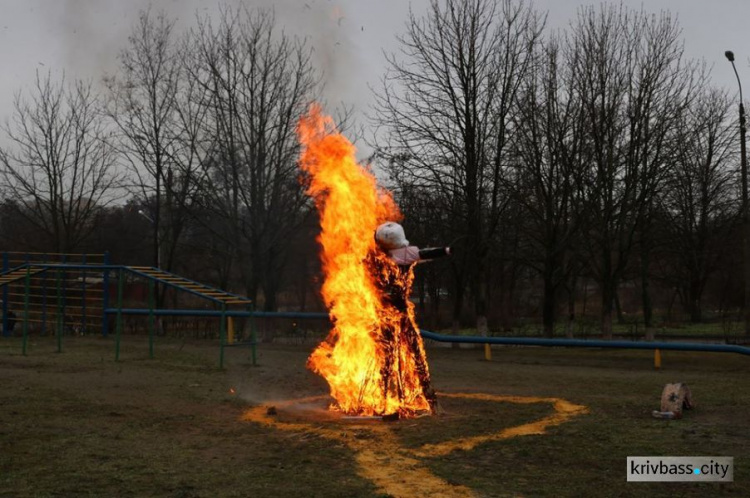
column 373, row 359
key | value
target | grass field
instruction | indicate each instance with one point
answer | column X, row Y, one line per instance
column 77, row 423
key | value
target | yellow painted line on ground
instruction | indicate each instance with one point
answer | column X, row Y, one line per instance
column 564, row 411
column 379, row 458
column 396, row 470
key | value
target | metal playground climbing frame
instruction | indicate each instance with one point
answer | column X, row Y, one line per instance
column 73, row 293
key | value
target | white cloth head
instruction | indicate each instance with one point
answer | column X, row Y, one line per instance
column 390, row 235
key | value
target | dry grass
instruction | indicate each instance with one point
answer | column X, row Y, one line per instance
column 80, row 424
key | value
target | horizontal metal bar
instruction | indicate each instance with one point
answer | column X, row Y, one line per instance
column 141, row 311
column 63, row 266
column 532, row 341
column 52, row 308
column 88, row 255
column 52, row 295
column 291, row 314
column 238, row 313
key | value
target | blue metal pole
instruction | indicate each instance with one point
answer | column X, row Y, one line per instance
column 44, row 299
column 60, row 311
column 6, row 325
column 83, row 298
column 80, row 267
column 531, row 341
column 254, row 338
column 151, row 319
column 118, row 328
column 27, row 291
column 64, row 293
column 222, row 334
column 60, row 320
column 105, row 294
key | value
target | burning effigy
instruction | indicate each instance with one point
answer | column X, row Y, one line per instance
column 373, row 359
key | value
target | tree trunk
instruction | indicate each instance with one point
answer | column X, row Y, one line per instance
column 458, row 304
column 618, row 308
column 646, row 303
column 548, row 307
column 645, row 283
column 480, row 298
column 571, row 316
column 482, row 328
column 269, row 298
column 272, row 279
column 608, row 298
column 694, row 300
column 481, row 309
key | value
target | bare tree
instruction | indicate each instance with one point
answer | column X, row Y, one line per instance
column 447, row 103
column 548, row 169
column 698, row 206
column 142, row 105
column 631, row 80
column 60, row 161
column 258, row 81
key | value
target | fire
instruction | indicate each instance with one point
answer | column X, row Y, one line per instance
column 373, row 358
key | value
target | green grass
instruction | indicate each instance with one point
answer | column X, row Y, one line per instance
column 80, row 424
column 586, row 457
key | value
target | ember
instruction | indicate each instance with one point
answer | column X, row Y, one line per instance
column 373, row 359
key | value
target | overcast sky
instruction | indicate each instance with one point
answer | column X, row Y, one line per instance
column 83, row 37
